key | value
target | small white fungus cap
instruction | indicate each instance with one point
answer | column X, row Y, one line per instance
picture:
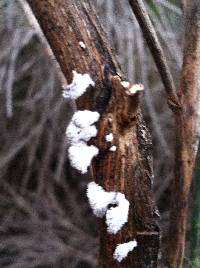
column 81, row 155
column 99, row 200
column 109, row 137
column 85, row 118
column 78, row 85
column 122, row 250
column 117, row 216
column 113, row 148
column 82, row 44
column 79, row 131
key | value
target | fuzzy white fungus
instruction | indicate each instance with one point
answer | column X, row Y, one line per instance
column 117, row 216
column 82, row 45
column 113, row 148
column 99, row 200
column 85, row 118
column 81, row 127
column 79, row 131
column 76, row 134
column 81, row 155
column 78, row 86
column 109, row 137
column 122, row 250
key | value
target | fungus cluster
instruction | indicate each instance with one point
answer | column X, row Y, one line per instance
column 112, row 205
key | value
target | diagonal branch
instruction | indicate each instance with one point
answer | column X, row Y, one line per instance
column 153, row 43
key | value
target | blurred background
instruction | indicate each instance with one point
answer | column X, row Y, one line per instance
column 45, row 220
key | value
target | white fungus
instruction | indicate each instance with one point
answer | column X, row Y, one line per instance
column 82, row 45
column 79, row 131
column 109, row 137
column 117, row 216
column 85, row 118
column 78, row 86
column 99, row 200
column 113, row 148
column 81, row 155
column 76, row 134
column 122, row 250
column 81, row 127
column 125, row 84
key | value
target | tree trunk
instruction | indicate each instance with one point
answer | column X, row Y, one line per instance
column 128, row 170
column 187, row 133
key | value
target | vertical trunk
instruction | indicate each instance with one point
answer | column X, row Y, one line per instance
column 129, row 169
column 187, row 131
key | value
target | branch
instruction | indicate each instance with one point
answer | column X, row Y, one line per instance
column 154, row 45
column 187, row 134
column 124, row 162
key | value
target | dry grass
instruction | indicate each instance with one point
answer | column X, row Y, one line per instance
column 45, row 219
column 43, row 208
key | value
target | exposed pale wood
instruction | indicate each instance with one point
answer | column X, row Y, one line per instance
column 129, row 169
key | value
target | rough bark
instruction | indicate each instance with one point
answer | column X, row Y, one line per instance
column 187, row 133
column 129, row 169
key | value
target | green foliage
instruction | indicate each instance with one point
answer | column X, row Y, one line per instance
column 195, row 263
column 195, row 217
column 153, row 7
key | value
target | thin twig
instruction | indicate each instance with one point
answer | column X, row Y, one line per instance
column 154, row 45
